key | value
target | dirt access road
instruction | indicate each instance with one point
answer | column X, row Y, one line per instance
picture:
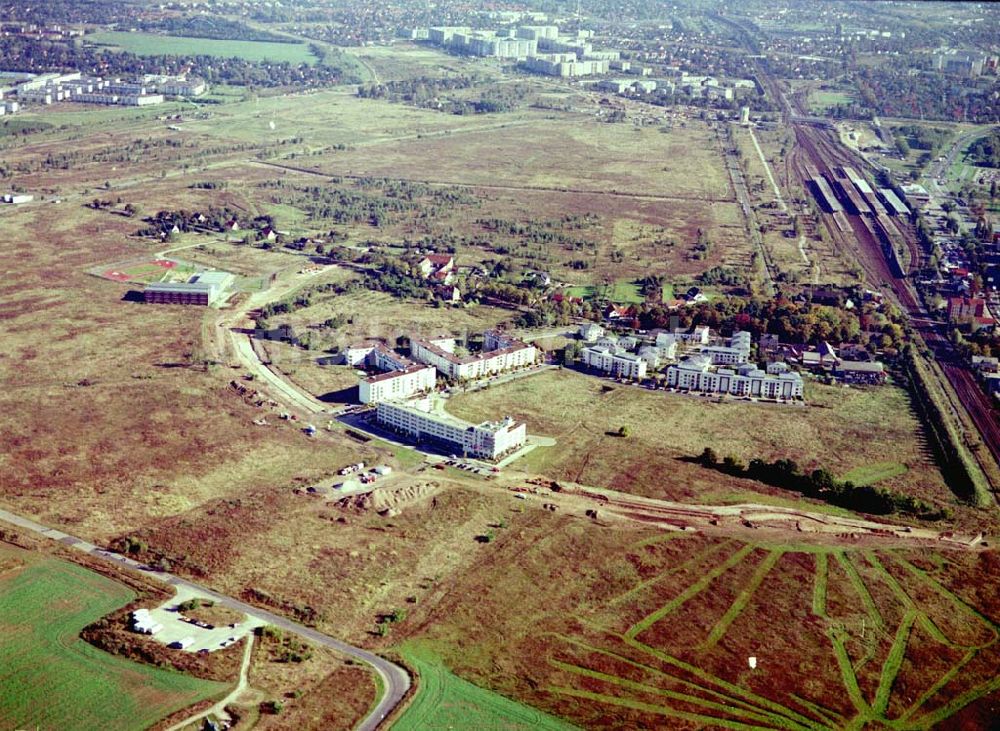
column 219, row 709
column 749, row 521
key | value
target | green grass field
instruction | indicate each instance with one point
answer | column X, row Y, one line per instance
column 872, row 473
column 840, row 430
column 821, row 100
column 445, row 701
column 622, row 292
column 151, row 44
column 51, row 679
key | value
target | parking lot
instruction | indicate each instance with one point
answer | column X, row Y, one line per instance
column 175, row 629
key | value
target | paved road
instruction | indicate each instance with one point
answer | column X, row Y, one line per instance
column 938, row 170
column 395, row 680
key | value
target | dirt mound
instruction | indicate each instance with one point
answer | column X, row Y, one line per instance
column 389, row 501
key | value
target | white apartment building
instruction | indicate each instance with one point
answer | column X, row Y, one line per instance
column 537, row 32
column 737, row 352
column 698, row 374
column 565, row 65
column 375, row 355
column 698, row 336
column 418, row 420
column 666, row 343
column 439, row 353
column 397, row 384
column 181, row 86
column 617, row 362
column 591, row 332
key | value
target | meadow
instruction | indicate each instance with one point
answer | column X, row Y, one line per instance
column 840, row 430
column 152, row 44
column 447, row 701
column 54, row 680
column 562, row 153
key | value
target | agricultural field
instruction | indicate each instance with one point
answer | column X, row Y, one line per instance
column 447, row 701
column 153, row 44
column 53, row 679
column 840, row 430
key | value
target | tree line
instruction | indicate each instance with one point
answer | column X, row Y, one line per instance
column 822, row 485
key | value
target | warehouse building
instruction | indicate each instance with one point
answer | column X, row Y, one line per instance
column 418, row 420
column 205, row 288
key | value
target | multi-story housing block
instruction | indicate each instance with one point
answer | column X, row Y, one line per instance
column 418, row 420
column 397, row 384
column 615, row 361
column 698, row 374
column 440, row 354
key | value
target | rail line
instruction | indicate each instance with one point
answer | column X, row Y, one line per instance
column 869, row 248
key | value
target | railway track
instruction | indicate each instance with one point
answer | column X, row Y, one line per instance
column 816, row 153
column 865, row 243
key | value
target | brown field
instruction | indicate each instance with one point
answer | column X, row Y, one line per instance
column 372, row 314
column 322, row 691
column 840, row 430
column 565, row 153
column 408, row 60
column 171, row 434
column 656, row 630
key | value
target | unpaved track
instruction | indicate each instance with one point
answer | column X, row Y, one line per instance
column 219, row 709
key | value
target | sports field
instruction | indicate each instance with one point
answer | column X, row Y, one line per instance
column 145, row 271
column 445, row 701
column 50, row 678
column 821, row 100
column 152, row 44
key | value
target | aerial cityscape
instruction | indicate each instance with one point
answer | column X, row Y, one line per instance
column 542, row 364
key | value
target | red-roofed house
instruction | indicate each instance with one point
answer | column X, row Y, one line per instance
column 966, row 308
column 438, row 267
column 619, row 312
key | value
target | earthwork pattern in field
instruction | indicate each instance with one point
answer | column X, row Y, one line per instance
column 842, row 639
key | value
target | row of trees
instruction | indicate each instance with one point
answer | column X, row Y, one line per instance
column 822, row 485
column 203, row 26
column 211, row 219
column 793, row 321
